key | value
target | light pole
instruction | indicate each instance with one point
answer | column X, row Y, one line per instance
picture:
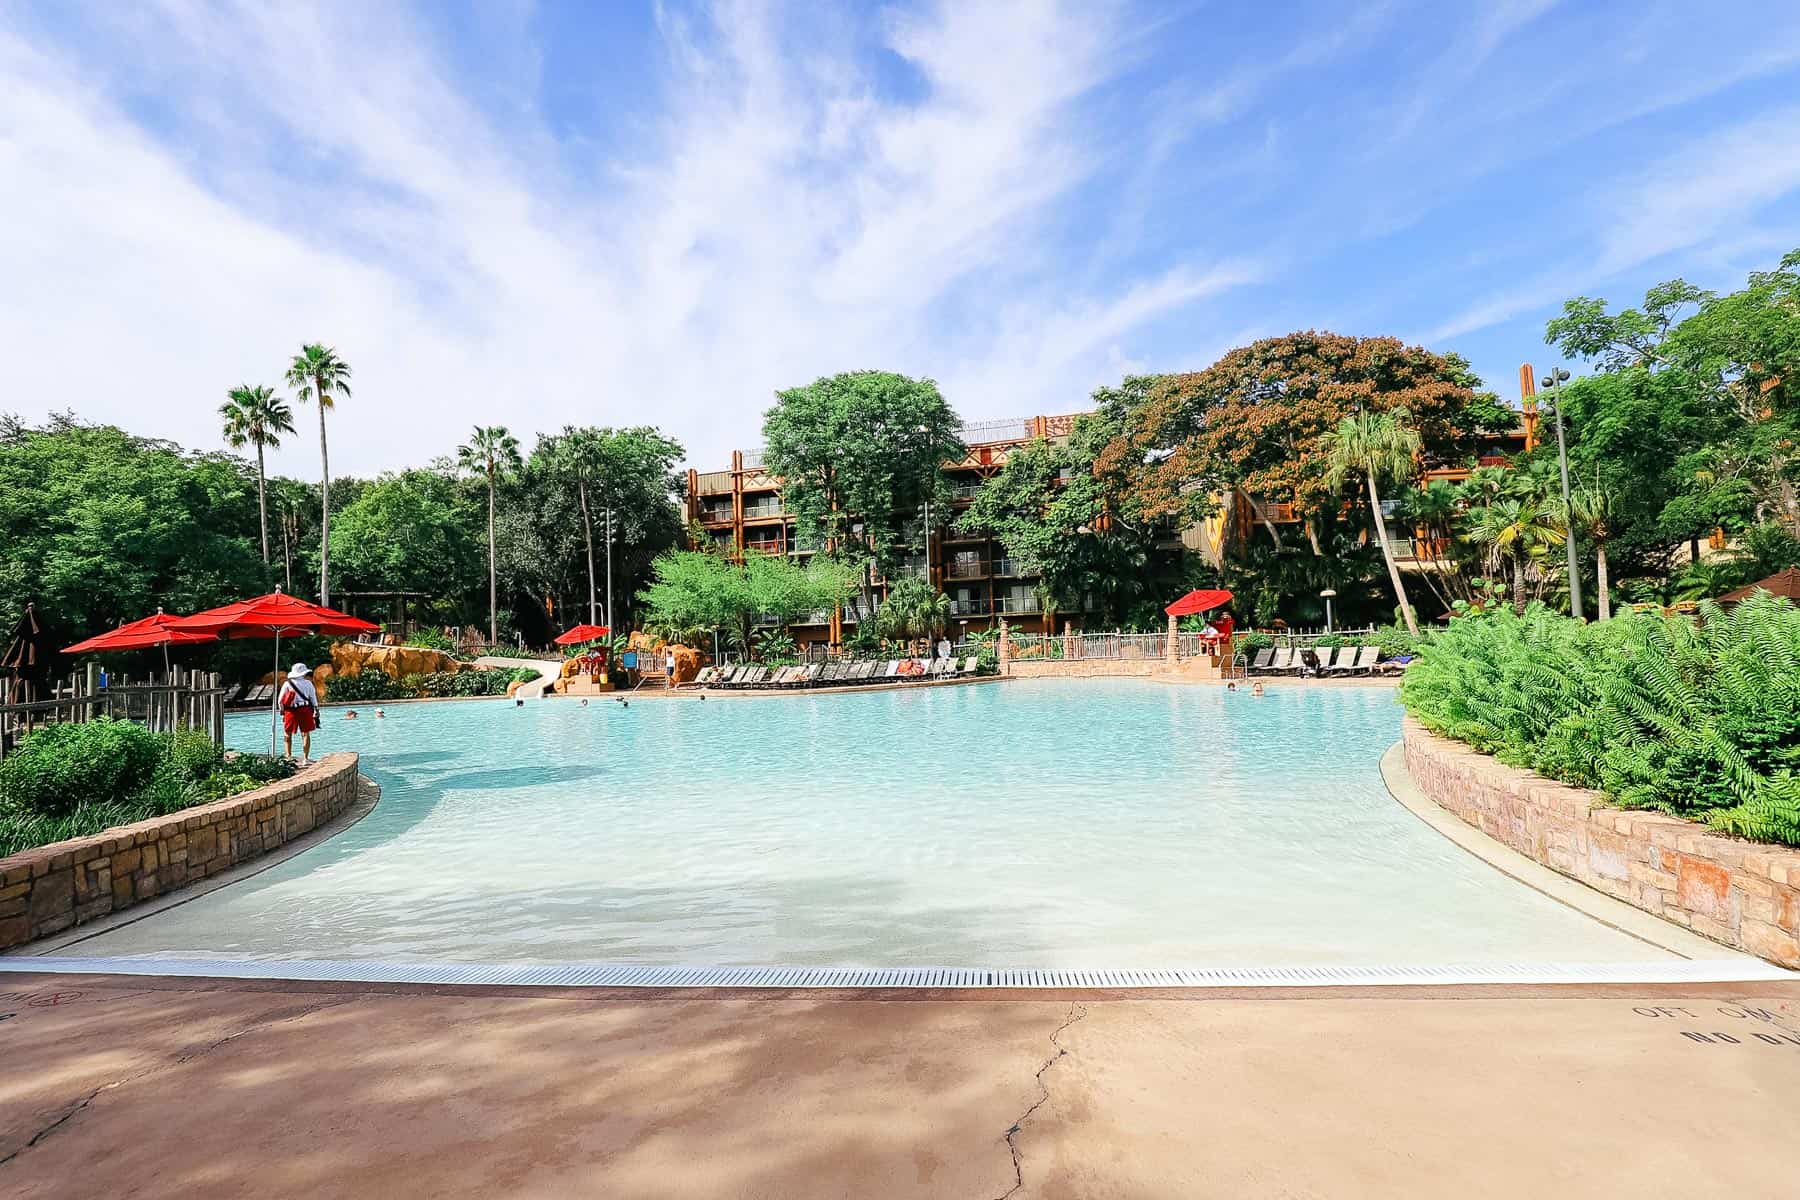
column 1328, row 593
column 1553, row 385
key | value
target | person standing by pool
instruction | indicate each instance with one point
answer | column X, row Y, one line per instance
column 299, row 704
column 943, row 647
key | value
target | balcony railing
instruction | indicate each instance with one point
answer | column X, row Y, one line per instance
column 964, row 491
column 716, row 514
column 964, row 568
column 763, row 508
column 1010, row 567
column 969, row 608
column 1020, row 604
column 912, row 564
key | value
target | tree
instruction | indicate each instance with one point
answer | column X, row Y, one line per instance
column 1059, row 517
column 318, row 375
column 1515, row 533
column 256, row 416
column 493, row 453
column 913, row 609
column 412, row 531
column 1590, row 512
column 1375, row 446
column 858, row 454
column 1255, row 422
column 697, row 590
column 100, row 527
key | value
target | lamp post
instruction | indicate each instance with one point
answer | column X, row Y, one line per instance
column 1328, row 593
column 1553, row 385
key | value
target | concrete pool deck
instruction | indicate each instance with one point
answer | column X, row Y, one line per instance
column 151, row 1087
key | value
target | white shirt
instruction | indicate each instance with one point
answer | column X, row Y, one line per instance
column 303, row 690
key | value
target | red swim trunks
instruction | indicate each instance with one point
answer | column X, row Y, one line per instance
column 300, row 720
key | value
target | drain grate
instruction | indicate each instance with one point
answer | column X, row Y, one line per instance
column 641, row 976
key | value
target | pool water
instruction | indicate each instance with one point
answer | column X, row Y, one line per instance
column 1050, row 823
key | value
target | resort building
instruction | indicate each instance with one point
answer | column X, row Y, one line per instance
column 740, row 511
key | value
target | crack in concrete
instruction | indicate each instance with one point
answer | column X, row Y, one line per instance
column 186, row 1057
column 1076, row 1012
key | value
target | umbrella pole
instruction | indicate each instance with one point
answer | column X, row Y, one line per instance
column 275, row 704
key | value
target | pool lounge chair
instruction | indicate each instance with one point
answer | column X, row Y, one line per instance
column 970, row 664
column 1365, row 660
column 1282, row 663
column 864, row 672
column 1345, row 662
column 893, row 668
column 1261, row 662
column 939, row 669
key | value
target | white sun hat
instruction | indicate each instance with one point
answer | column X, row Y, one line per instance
column 300, row 671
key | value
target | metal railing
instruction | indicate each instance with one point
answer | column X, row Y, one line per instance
column 1011, row 604
column 966, row 568
column 1003, row 430
column 964, row 491
column 763, row 508
column 969, row 608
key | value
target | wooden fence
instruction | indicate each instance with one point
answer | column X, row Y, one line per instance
column 162, row 703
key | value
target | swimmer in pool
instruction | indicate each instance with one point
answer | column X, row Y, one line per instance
column 351, row 715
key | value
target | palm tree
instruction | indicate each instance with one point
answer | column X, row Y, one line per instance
column 492, row 452
column 913, row 609
column 1591, row 512
column 318, row 374
column 1514, row 532
column 579, row 454
column 256, row 416
column 1375, row 446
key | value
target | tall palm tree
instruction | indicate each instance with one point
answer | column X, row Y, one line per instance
column 494, row 453
column 1376, row 446
column 580, row 454
column 1514, row 532
column 318, row 374
column 256, row 416
column 1591, row 512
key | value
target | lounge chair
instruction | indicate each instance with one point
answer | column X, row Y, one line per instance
column 1365, row 660
column 893, row 666
column 939, row 668
column 970, row 664
column 1283, row 662
column 1262, row 660
column 836, row 673
column 864, row 672
column 1345, row 662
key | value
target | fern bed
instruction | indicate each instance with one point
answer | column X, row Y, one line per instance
column 1698, row 717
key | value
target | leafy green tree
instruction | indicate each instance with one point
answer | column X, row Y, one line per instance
column 100, row 527
column 698, row 590
column 1057, row 516
column 1590, row 512
column 492, row 453
column 858, row 454
column 256, row 416
column 319, row 376
column 913, row 609
column 1376, row 446
column 410, row 532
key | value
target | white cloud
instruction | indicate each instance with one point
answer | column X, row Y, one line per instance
column 316, row 174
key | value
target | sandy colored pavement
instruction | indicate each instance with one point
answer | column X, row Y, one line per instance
column 119, row 1087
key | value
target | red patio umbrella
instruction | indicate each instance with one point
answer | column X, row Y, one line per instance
column 143, row 634
column 582, row 633
column 1199, row 601
column 271, row 616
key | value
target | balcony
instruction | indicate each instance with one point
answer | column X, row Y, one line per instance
column 763, row 510
column 969, row 608
column 1016, row 604
column 715, row 514
column 966, row 568
column 964, row 491
column 764, row 545
column 912, row 564
column 1011, row 568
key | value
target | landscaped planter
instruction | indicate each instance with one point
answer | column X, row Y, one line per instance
column 1743, row 894
column 50, row 888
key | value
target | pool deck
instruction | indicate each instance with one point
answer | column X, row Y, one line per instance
column 155, row 1087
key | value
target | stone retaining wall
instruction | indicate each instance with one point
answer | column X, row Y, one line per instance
column 48, row 889
column 1744, row 894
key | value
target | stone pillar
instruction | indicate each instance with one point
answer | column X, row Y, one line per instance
column 1172, row 651
column 1003, row 650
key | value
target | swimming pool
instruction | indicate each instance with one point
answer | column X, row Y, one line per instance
column 1030, row 824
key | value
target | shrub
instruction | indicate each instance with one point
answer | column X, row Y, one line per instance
column 1251, row 642
column 192, row 753
column 1393, row 641
column 366, row 685
column 60, row 767
column 1699, row 718
column 264, row 768
column 431, row 639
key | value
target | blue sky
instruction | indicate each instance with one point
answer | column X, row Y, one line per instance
column 619, row 213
